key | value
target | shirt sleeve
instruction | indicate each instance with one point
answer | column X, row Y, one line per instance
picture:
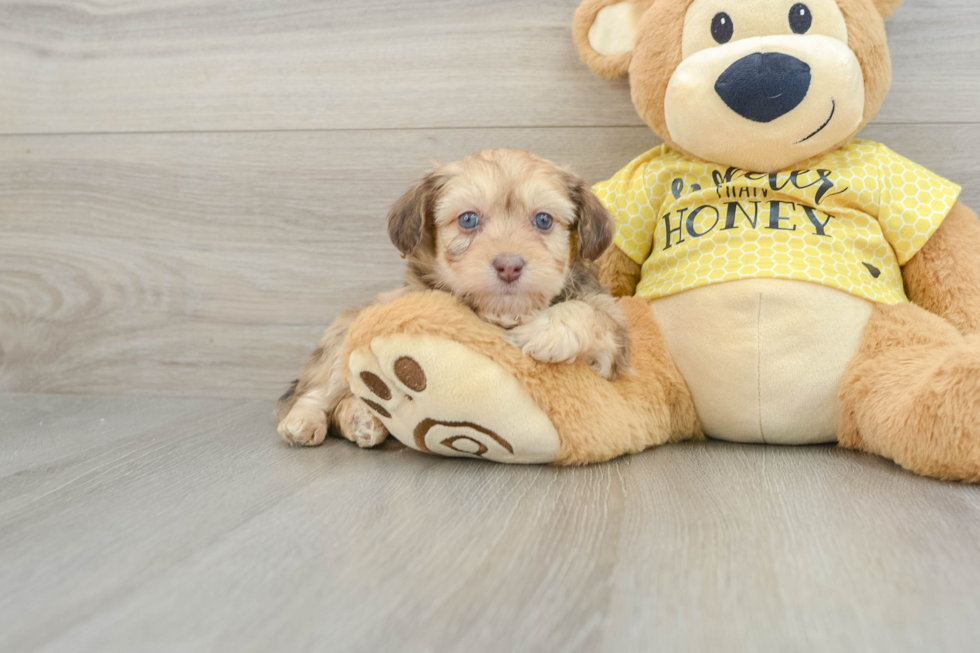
column 913, row 203
column 628, row 198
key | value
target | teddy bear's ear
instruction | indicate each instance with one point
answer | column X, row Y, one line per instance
column 887, row 7
column 605, row 33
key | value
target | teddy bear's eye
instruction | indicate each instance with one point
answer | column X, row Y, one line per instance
column 722, row 28
column 800, row 18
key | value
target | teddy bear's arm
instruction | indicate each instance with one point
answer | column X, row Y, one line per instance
column 618, row 272
column 944, row 277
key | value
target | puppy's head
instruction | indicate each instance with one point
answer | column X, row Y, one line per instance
column 499, row 229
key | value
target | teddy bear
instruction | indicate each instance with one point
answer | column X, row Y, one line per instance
column 784, row 282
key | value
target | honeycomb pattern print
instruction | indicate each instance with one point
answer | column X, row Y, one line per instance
column 848, row 220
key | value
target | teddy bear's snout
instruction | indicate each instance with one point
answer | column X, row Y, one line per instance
column 764, row 86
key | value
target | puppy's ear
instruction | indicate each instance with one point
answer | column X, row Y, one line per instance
column 605, row 33
column 595, row 225
column 408, row 217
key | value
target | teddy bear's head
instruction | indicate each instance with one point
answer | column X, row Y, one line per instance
column 756, row 84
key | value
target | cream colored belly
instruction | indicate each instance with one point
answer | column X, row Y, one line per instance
column 764, row 357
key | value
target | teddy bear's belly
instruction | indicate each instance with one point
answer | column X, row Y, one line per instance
column 764, row 357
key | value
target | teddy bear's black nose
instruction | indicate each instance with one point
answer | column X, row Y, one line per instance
column 764, row 86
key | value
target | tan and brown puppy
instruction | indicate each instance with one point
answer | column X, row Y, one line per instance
column 511, row 235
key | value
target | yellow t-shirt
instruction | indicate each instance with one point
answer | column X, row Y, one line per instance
column 848, row 220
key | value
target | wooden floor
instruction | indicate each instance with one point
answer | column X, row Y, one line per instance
column 137, row 524
column 190, row 190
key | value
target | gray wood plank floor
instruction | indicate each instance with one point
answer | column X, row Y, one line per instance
column 191, row 190
column 154, row 524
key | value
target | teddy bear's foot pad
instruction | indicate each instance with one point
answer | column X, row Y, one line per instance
column 438, row 396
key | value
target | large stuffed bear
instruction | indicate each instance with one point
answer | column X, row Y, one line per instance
column 784, row 283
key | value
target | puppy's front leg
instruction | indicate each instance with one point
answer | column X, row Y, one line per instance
column 592, row 327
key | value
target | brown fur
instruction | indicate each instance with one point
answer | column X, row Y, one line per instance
column 595, row 227
column 507, row 187
column 911, row 394
column 610, row 67
column 583, row 285
column 619, row 272
column 318, row 369
column 887, row 7
column 913, row 390
column 322, row 390
column 658, row 53
column 944, row 277
column 559, row 307
column 410, row 215
column 648, row 408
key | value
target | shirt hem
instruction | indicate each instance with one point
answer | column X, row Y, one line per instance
column 889, row 299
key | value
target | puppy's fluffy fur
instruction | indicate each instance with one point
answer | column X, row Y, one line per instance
column 534, row 276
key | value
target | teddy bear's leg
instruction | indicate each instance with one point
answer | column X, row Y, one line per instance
column 443, row 381
column 912, row 394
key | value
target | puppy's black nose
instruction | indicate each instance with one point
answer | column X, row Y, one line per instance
column 509, row 267
column 764, row 86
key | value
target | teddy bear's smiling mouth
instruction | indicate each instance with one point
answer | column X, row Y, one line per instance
column 833, row 110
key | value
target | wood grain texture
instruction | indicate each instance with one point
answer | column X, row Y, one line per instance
column 190, row 191
column 210, row 65
column 195, row 529
column 191, row 264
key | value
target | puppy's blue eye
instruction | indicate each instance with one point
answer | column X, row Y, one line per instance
column 543, row 221
column 469, row 221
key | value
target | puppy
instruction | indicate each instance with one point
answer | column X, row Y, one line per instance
column 511, row 235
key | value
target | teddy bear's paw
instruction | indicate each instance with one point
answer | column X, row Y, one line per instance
column 358, row 424
column 438, row 396
column 304, row 425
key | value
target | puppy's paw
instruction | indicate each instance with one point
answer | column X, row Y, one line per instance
column 506, row 321
column 601, row 362
column 557, row 335
column 304, row 425
column 358, row 424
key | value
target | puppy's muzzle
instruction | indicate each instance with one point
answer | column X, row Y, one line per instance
column 509, row 267
column 764, row 86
